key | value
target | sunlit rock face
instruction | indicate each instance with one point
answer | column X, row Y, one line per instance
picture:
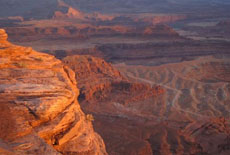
column 40, row 113
column 3, row 36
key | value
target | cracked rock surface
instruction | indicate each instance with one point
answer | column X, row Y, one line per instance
column 40, row 113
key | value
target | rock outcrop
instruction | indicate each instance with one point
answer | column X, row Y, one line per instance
column 99, row 80
column 96, row 70
column 40, row 113
column 115, row 102
column 3, row 37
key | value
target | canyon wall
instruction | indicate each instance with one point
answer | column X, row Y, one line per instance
column 40, row 113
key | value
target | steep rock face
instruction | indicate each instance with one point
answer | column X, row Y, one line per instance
column 99, row 80
column 3, row 36
column 116, row 103
column 95, row 70
column 40, row 113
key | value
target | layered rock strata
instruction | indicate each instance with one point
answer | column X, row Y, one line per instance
column 40, row 113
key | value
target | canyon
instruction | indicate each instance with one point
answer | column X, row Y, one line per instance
column 167, row 109
column 134, row 77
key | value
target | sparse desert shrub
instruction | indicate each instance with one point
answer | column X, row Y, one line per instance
column 21, row 64
column 38, row 59
column 89, row 117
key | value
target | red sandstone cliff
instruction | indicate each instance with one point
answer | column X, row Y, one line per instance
column 40, row 113
column 99, row 80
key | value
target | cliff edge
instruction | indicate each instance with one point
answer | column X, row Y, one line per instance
column 40, row 113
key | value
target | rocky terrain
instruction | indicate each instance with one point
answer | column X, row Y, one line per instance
column 209, row 30
column 200, row 90
column 153, row 53
column 152, row 77
column 85, row 32
column 40, row 113
column 153, row 110
column 58, row 29
column 106, row 93
column 64, row 21
column 200, row 86
column 106, row 81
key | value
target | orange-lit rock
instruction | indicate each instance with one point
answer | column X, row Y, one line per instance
column 98, row 80
column 40, row 113
column 3, row 37
column 71, row 13
column 96, row 71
